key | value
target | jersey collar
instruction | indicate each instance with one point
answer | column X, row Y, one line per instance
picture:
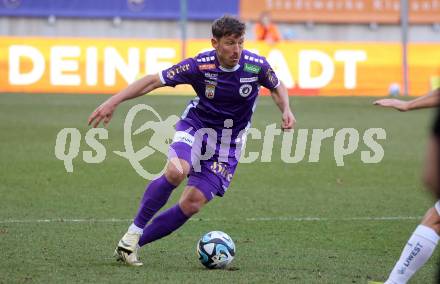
column 235, row 68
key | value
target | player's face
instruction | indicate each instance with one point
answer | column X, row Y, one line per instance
column 228, row 49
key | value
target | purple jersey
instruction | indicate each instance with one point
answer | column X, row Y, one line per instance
column 222, row 94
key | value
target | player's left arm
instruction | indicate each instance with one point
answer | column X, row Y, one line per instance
column 268, row 79
column 281, row 98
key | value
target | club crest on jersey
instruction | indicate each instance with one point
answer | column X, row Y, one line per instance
column 210, row 91
column 245, row 90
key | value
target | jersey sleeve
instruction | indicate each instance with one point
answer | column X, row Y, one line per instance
column 181, row 73
column 267, row 77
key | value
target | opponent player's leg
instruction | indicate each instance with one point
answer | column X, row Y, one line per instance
column 191, row 201
column 419, row 247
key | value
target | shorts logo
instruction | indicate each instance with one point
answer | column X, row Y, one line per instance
column 210, row 91
column 206, row 66
column 251, row 68
column 245, row 90
column 184, row 137
column 222, row 170
column 248, row 80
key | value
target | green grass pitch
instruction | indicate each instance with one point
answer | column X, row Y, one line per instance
column 292, row 223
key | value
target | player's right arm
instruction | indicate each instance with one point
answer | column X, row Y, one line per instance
column 181, row 73
column 430, row 100
column 138, row 88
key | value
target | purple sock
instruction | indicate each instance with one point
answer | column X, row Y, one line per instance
column 155, row 197
column 163, row 225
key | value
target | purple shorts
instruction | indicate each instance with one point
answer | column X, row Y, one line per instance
column 207, row 174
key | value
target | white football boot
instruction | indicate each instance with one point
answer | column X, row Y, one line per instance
column 127, row 249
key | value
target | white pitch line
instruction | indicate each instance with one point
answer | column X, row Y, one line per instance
column 254, row 219
column 302, row 219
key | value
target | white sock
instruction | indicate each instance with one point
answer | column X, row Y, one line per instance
column 417, row 251
column 135, row 229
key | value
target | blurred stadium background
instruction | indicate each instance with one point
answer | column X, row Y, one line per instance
column 332, row 47
column 292, row 223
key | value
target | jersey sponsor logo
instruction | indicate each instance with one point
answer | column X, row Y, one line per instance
column 251, row 68
column 210, row 91
column 206, row 66
column 177, row 70
column 245, row 90
column 212, row 76
column 170, row 74
column 248, row 80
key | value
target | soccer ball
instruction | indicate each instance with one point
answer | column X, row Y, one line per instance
column 215, row 250
column 394, row 90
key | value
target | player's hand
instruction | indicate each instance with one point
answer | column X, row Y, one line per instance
column 393, row 103
column 288, row 120
column 102, row 113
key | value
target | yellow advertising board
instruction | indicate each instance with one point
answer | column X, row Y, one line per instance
column 80, row 65
column 104, row 66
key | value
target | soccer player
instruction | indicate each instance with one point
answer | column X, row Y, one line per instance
column 227, row 81
column 424, row 239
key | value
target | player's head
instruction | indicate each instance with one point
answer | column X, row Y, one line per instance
column 227, row 39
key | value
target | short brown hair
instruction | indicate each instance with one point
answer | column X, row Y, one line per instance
column 226, row 26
